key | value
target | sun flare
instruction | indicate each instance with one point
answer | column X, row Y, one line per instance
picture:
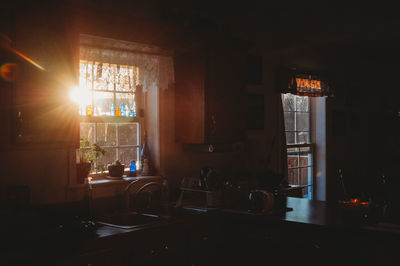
column 80, row 95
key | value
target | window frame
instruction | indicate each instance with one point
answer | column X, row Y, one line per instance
column 310, row 145
column 96, row 119
column 116, row 120
column 309, row 186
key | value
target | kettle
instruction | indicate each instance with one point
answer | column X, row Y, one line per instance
column 208, row 179
column 260, row 201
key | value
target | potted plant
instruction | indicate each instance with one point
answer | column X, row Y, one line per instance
column 116, row 169
column 88, row 154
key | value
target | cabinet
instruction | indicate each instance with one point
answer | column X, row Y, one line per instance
column 210, row 94
column 158, row 246
column 104, row 257
column 40, row 113
column 203, row 242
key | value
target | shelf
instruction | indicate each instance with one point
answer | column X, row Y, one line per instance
column 110, row 119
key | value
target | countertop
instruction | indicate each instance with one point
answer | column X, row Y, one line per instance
column 321, row 213
column 300, row 211
column 303, row 212
column 314, row 213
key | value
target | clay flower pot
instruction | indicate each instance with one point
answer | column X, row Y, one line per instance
column 82, row 171
column 116, row 170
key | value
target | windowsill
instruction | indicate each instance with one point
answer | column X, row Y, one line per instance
column 110, row 182
column 111, row 119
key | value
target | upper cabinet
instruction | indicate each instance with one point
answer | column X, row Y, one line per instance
column 210, row 95
column 44, row 49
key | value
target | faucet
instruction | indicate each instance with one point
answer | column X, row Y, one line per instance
column 89, row 197
column 127, row 188
column 127, row 194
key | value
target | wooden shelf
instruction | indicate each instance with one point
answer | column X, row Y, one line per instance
column 110, row 119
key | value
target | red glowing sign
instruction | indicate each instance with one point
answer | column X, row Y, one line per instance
column 307, row 84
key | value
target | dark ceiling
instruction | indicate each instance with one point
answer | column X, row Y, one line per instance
column 272, row 24
column 280, row 24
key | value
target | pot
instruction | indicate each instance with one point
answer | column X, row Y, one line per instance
column 260, row 201
column 82, row 171
column 116, row 170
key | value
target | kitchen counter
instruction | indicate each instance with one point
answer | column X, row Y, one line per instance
column 316, row 213
column 307, row 223
column 309, row 233
column 31, row 237
column 321, row 213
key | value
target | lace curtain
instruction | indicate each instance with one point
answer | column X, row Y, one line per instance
column 152, row 67
column 104, row 76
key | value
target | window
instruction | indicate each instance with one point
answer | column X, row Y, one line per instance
column 298, row 138
column 108, row 112
column 118, row 96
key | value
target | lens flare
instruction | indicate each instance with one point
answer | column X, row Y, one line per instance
column 7, row 71
column 80, row 95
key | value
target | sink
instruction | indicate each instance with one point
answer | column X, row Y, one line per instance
column 128, row 220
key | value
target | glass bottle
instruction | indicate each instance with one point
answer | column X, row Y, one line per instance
column 145, row 156
column 117, row 112
column 123, row 113
column 132, row 113
column 144, row 153
column 112, row 109
column 132, row 169
column 89, row 110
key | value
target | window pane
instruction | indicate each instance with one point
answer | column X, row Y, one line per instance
column 290, row 137
column 293, row 157
column 127, row 154
column 87, row 131
column 303, row 137
column 302, row 103
column 102, row 103
column 289, row 120
column 304, row 160
column 108, row 158
column 305, row 176
column 128, row 134
column 288, row 102
column 293, row 176
column 305, row 156
column 303, row 121
column 106, row 134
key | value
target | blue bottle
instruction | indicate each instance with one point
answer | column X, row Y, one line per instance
column 112, row 110
column 132, row 113
column 123, row 113
column 132, row 169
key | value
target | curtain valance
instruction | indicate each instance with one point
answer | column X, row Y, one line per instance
column 155, row 65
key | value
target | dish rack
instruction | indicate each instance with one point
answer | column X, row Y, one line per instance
column 200, row 199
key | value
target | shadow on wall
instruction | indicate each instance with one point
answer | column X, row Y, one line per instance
column 44, row 172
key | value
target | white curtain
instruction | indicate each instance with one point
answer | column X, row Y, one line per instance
column 155, row 65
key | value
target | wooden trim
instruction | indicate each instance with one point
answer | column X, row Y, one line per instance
column 311, row 145
column 111, row 119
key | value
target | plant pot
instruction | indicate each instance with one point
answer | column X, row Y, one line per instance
column 82, row 172
column 116, row 170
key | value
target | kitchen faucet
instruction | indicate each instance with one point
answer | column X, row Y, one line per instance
column 146, row 185
column 89, row 198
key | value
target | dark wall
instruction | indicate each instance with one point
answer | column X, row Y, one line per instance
column 362, row 126
column 363, row 121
